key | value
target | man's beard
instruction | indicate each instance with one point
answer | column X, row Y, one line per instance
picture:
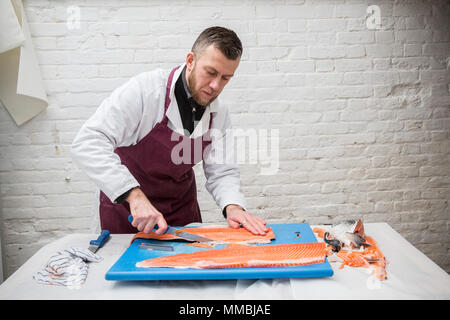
column 192, row 83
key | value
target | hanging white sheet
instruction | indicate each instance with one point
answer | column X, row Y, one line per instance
column 21, row 89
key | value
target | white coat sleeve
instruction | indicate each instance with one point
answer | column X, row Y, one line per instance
column 222, row 174
column 112, row 125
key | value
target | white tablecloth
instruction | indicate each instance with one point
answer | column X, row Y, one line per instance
column 411, row 275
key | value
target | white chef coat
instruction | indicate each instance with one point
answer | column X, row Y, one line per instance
column 129, row 114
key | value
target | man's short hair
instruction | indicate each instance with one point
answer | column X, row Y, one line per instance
column 223, row 39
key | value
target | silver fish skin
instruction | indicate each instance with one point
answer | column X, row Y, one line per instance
column 349, row 232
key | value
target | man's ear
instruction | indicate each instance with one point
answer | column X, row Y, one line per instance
column 190, row 59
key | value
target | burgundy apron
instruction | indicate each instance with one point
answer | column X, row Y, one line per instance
column 170, row 186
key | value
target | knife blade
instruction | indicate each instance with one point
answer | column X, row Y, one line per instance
column 94, row 245
column 179, row 233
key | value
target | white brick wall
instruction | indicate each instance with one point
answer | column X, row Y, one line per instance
column 363, row 115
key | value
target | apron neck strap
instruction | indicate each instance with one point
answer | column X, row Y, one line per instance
column 167, row 101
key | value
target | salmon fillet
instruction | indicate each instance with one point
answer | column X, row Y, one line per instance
column 282, row 255
column 218, row 235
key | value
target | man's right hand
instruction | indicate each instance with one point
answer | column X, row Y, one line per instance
column 145, row 215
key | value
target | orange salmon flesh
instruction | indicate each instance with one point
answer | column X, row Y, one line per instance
column 282, row 255
column 228, row 235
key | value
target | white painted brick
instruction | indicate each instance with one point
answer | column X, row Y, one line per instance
column 76, row 71
column 415, row 63
column 413, row 50
column 382, row 51
column 291, row 39
column 266, row 39
column 355, row 37
column 436, row 49
column 86, row 14
column 112, row 42
column 81, row 99
column 326, row 25
column 141, row 42
column 99, row 57
column 19, row 139
column 351, row 10
column 244, row 12
column 343, row 65
column 168, row 55
column 415, row 22
column 48, row 29
column 326, row 52
column 45, row 43
column 324, row 65
column 139, row 28
column 353, row 78
column 162, row 28
column 115, row 28
column 411, row 36
column 356, row 24
column 441, row 36
column 411, row 9
column 379, row 78
column 267, row 53
column 352, row 92
column 265, row 12
column 321, row 38
column 305, row 11
column 143, row 56
column 321, row 80
column 135, row 13
column 298, row 53
column 364, row 115
column 381, row 64
column 384, row 36
column 263, row 67
column 40, row 14
column 355, row 51
column 45, row 225
column 270, row 26
column 86, row 85
column 297, row 25
column 434, row 76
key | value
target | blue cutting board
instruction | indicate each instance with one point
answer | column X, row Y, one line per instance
column 125, row 268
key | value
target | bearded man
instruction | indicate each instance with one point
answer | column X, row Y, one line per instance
column 127, row 146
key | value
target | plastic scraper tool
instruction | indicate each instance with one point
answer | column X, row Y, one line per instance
column 185, row 235
column 149, row 246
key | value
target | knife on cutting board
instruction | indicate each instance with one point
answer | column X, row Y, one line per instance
column 179, row 233
column 94, row 245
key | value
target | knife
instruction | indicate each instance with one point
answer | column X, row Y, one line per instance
column 94, row 245
column 179, row 233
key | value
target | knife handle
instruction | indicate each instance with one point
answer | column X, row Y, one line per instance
column 130, row 219
column 104, row 235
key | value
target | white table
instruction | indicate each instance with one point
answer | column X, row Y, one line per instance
column 411, row 275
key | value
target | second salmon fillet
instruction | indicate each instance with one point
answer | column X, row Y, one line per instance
column 281, row 255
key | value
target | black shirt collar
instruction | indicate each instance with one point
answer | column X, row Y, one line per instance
column 190, row 111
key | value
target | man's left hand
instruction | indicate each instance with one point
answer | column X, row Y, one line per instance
column 236, row 216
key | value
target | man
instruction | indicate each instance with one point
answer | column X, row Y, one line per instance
column 127, row 146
